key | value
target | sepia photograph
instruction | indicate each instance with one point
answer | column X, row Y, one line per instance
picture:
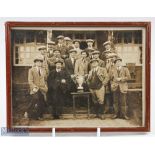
column 78, row 76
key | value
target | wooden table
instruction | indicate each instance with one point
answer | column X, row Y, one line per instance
column 77, row 95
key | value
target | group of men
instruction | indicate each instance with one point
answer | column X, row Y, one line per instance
column 53, row 78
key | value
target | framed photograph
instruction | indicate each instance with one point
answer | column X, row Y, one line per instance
column 78, row 76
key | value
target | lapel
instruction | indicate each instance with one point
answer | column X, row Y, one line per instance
column 70, row 63
column 121, row 72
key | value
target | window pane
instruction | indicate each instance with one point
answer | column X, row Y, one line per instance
column 118, row 37
column 30, row 35
column 41, row 37
column 127, row 37
column 138, row 37
column 19, row 37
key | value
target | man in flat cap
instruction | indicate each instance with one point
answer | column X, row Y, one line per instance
column 61, row 46
column 56, row 56
column 70, row 67
column 95, row 55
column 37, row 78
column 76, row 44
column 119, row 76
column 51, row 47
column 44, row 53
column 109, row 50
column 97, row 79
column 82, row 64
column 58, row 80
column 90, row 47
column 70, row 62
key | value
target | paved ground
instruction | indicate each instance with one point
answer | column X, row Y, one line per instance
column 80, row 121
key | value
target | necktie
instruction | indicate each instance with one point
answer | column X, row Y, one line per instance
column 118, row 71
column 39, row 72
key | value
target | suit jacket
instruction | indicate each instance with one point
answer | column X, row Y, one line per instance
column 69, row 66
column 63, row 50
column 98, row 79
column 51, row 62
column 36, row 80
column 124, row 74
column 54, row 80
column 101, row 64
column 81, row 67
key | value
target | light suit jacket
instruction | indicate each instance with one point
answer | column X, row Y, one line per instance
column 81, row 67
column 124, row 74
column 36, row 80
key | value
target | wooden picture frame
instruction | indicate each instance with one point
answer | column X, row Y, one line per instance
column 9, row 72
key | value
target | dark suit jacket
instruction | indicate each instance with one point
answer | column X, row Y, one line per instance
column 54, row 80
column 69, row 66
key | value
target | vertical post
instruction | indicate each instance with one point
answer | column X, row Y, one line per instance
column 53, row 132
column 88, row 105
column 74, row 109
column 98, row 132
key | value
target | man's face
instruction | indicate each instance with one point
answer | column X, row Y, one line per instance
column 90, row 44
column 38, row 63
column 76, row 44
column 94, row 64
column 107, row 47
column 96, row 56
column 118, row 63
column 56, row 53
column 58, row 65
column 60, row 41
column 73, row 54
column 83, row 55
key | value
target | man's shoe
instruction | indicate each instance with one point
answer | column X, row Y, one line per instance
column 126, row 117
column 114, row 116
column 102, row 117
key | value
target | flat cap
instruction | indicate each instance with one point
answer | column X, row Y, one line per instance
column 67, row 39
column 96, row 52
column 117, row 59
column 73, row 50
column 93, row 60
column 51, row 43
column 107, row 43
column 60, row 37
column 42, row 48
column 89, row 40
column 39, row 58
column 59, row 61
column 76, row 40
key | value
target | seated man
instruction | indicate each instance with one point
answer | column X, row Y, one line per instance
column 119, row 76
column 57, row 86
column 38, row 88
column 97, row 79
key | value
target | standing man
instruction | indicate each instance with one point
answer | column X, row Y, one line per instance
column 97, row 79
column 90, row 47
column 44, row 53
column 77, row 48
column 70, row 62
column 60, row 46
column 109, row 51
column 119, row 76
column 56, row 56
column 57, row 86
column 38, row 88
column 95, row 55
column 51, row 47
column 81, row 65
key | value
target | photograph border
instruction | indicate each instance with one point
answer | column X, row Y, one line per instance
column 146, row 25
